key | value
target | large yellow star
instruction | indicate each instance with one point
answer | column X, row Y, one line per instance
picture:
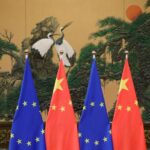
column 58, row 85
column 123, row 85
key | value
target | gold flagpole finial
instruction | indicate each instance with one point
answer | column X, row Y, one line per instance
column 124, row 44
column 26, row 53
column 126, row 52
column 94, row 54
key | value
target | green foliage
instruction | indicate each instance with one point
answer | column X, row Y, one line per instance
column 44, row 91
column 5, row 45
column 43, row 69
column 79, row 76
column 110, row 26
column 8, row 103
column 109, row 36
column 44, row 73
column 112, row 31
column 10, row 46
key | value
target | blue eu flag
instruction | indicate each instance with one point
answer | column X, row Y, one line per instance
column 27, row 131
column 94, row 126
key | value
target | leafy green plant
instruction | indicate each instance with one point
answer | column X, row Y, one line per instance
column 110, row 35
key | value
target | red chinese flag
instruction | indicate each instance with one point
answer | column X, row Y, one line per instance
column 127, row 126
column 61, row 127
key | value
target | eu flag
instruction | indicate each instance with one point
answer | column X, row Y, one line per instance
column 94, row 126
column 27, row 131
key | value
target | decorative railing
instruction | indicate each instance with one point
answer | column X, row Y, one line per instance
column 6, row 126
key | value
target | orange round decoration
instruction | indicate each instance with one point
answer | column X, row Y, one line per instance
column 133, row 12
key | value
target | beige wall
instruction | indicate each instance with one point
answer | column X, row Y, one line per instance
column 83, row 13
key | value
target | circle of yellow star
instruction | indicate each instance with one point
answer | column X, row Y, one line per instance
column 123, row 85
column 19, row 141
column 87, row 140
column 96, row 143
column 58, row 85
column 79, row 134
column 11, row 135
column 105, row 139
column 84, row 107
column 101, row 104
column 37, row 139
column 110, row 132
column 29, row 143
column 17, row 107
column 34, row 104
column 92, row 104
column 25, row 103
column 42, row 131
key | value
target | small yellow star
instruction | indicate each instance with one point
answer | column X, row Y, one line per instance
column 19, row 141
column 37, row 139
column 62, row 109
column 42, row 131
column 58, row 85
column 84, row 107
column 29, row 143
column 25, row 103
column 101, row 104
column 79, row 134
column 105, row 139
column 87, row 141
column 123, row 85
column 119, row 107
column 96, row 143
column 11, row 135
column 136, row 102
column 34, row 104
column 53, row 107
column 17, row 107
column 110, row 132
column 128, row 108
column 92, row 104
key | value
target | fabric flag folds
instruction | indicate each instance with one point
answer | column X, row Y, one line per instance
column 127, row 126
column 94, row 126
column 27, row 128
column 61, row 127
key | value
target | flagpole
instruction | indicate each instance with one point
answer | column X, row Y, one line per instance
column 94, row 54
column 61, row 54
column 127, row 53
column 124, row 44
column 26, row 53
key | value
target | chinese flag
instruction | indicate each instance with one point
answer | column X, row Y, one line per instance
column 61, row 127
column 127, row 126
